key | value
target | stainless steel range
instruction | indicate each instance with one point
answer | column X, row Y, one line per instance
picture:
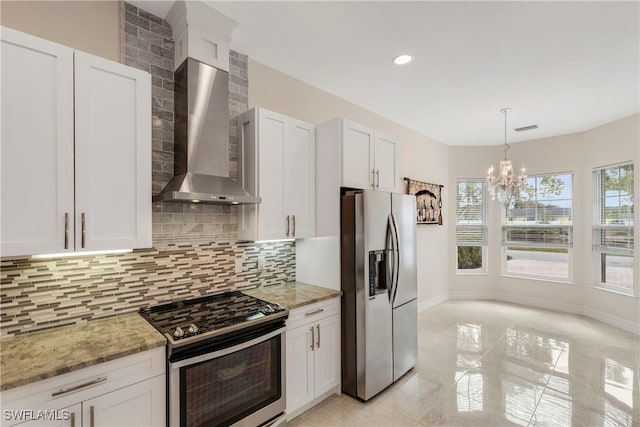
column 225, row 359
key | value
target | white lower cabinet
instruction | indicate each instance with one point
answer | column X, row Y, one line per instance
column 313, row 355
column 126, row 392
column 141, row 404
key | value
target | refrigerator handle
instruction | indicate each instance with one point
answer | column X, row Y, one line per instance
column 396, row 258
column 394, row 254
column 390, row 255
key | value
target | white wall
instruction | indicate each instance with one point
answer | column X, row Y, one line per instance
column 419, row 157
column 579, row 153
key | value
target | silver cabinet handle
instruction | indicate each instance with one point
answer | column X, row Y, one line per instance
column 373, row 178
column 92, row 417
column 377, row 178
column 293, row 233
column 72, row 419
column 288, row 224
column 318, row 343
column 78, row 387
column 311, row 313
column 66, row 230
column 313, row 338
column 83, row 227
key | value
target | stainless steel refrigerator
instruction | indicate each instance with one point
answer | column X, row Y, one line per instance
column 379, row 285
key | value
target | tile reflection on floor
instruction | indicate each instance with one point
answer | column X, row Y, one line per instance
column 488, row 363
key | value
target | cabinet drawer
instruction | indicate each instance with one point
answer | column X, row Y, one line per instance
column 67, row 389
column 313, row 312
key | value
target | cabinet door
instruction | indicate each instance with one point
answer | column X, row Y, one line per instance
column 300, row 178
column 272, row 133
column 37, row 145
column 113, row 155
column 327, row 354
column 139, row 405
column 385, row 163
column 357, row 156
column 300, row 388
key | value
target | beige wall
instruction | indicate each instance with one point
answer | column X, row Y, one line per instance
column 578, row 153
column 419, row 157
column 90, row 26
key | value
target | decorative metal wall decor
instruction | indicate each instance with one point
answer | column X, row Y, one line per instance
column 428, row 201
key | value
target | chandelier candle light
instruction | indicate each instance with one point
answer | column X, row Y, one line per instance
column 506, row 184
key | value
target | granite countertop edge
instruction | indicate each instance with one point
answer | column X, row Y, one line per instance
column 75, row 367
column 13, row 350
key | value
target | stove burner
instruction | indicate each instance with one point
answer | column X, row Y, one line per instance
column 188, row 320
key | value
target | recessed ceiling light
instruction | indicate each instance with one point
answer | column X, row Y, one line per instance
column 402, row 59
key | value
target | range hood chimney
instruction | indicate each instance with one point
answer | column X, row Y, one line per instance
column 201, row 135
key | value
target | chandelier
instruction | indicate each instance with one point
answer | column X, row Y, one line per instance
column 506, row 184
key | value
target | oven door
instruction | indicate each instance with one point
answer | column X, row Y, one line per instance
column 241, row 385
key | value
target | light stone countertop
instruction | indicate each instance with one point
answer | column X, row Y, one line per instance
column 36, row 356
column 293, row 294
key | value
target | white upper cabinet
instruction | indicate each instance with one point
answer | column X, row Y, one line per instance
column 368, row 158
column 108, row 161
column 113, row 155
column 385, row 162
column 283, row 150
column 357, row 156
column 300, row 178
column 367, row 161
column 37, row 145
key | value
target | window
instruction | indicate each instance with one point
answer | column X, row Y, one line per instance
column 613, row 241
column 537, row 229
column 471, row 226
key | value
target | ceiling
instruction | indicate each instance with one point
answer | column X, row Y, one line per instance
column 564, row 66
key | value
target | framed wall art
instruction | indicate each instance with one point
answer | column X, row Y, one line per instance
column 428, row 201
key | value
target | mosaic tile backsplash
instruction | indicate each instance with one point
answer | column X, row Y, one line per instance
column 44, row 293
column 38, row 294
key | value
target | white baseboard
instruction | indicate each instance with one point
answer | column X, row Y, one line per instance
column 432, row 302
column 607, row 318
column 472, row 295
column 540, row 303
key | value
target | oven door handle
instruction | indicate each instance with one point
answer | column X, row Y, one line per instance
column 225, row 351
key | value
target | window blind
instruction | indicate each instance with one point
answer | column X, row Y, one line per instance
column 614, row 207
column 471, row 213
column 541, row 217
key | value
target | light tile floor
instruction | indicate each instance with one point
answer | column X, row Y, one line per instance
column 488, row 363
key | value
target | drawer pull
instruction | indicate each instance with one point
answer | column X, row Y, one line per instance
column 311, row 313
column 78, row 387
column 72, row 419
column 92, row 417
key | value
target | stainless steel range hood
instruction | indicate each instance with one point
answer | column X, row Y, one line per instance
column 201, row 139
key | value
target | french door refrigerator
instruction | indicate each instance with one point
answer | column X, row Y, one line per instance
column 379, row 285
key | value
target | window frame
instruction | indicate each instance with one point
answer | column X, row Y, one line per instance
column 506, row 244
column 598, row 250
column 483, row 226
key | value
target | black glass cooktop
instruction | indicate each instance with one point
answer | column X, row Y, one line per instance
column 186, row 319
